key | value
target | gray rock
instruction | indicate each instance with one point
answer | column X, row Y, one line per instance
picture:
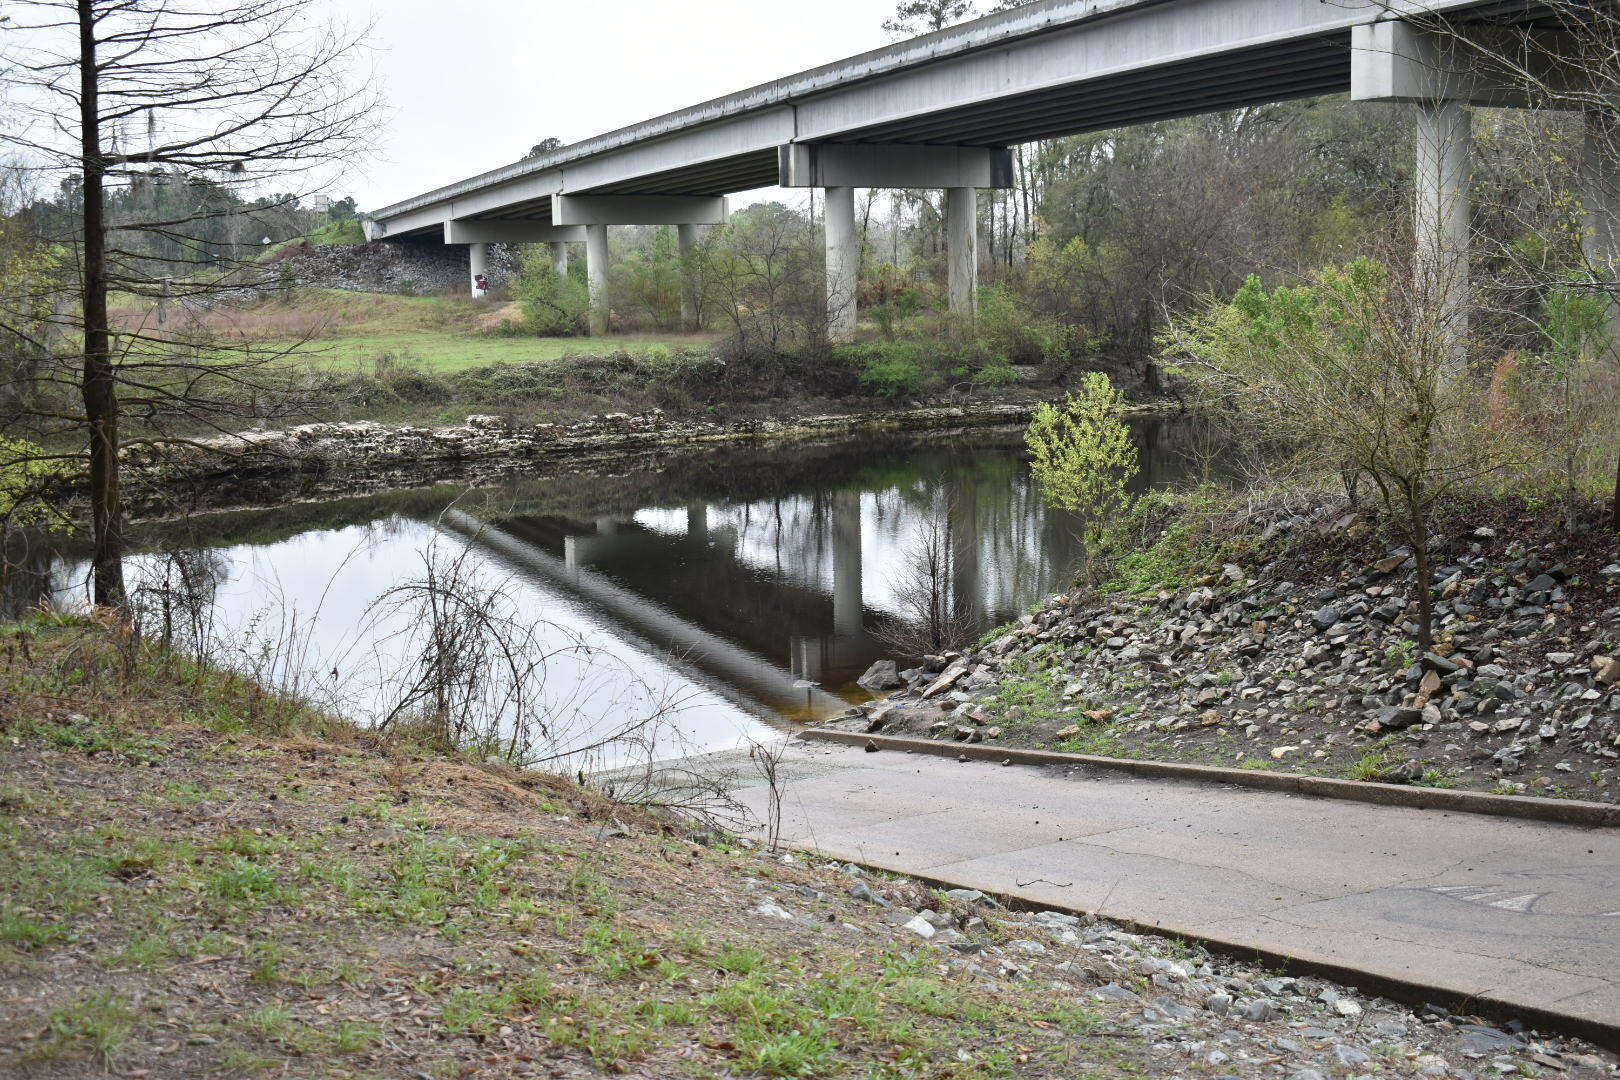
column 1055, row 918
column 1397, row 717
column 1349, row 1056
column 1172, row 1008
column 1259, row 1009
column 919, row 926
column 1324, row 618
column 863, row 892
column 1219, row 1004
column 1487, row 1040
column 771, row 911
column 1436, row 662
column 1027, row 947
column 1113, row 992
column 881, row 676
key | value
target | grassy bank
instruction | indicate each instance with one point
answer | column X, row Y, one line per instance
column 410, row 359
column 198, row 878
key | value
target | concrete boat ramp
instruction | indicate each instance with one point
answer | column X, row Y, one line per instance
column 1501, row 916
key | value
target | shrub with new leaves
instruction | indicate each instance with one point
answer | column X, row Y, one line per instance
column 1083, row 452
column 28, row 475
column 1359, row 372
column 554, row 305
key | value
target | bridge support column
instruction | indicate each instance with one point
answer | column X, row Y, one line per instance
column 687, row 237
column 559, row 257
column 1600, row 194
column 843, row 264
column 1444, row 157
column 596, row 267
column 1600, row 198
column 477, row 263
column 962, row 249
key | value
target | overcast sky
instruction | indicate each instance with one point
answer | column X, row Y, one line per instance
column 472, row 85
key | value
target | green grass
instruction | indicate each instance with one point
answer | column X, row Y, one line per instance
column 99, row 1024
column 471, row 931
column 450, row 351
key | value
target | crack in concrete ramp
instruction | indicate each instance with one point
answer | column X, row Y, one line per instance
column 1520, row 916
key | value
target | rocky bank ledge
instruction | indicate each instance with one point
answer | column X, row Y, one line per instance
column 1306, row 663
column 342, row 457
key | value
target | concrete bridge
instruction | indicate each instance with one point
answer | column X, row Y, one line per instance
column 941, row 110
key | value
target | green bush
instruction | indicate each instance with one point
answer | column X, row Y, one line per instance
column 995, row 375
column 339, row 232
column 27, row 474
column 1010, row 333
column 1083, row 453
column 554, row 305
column 889, row 369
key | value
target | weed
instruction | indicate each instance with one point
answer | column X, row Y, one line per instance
column 100, row 1023
column 1369, row 766
column 241, row 879
column 267, row 956
column 738, row 959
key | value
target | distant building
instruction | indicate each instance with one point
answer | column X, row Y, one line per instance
column 321, row 203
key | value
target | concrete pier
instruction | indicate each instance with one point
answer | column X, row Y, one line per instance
column 1442, row 171
column 477, row 263
column 843, row 264
column 962, row 250
column 596, row 268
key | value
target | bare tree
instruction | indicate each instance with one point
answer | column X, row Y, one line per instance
column 109, row 94
column 934, row 615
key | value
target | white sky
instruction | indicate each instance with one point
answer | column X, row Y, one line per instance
column 472, row 85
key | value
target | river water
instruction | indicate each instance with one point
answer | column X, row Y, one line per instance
column 739, row 587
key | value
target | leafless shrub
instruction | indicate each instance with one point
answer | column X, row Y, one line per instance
column 934, row 614
column 767, row 759
column 481, row 674
column 172, row 600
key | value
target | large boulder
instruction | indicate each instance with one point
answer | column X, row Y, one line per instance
column 881, row 676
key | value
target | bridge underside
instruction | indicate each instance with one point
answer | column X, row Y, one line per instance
column 936, row 112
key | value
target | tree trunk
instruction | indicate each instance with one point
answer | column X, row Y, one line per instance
column 99, row 390
column 1419, row 534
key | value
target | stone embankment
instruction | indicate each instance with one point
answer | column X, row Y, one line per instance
column 326, row 459
column 1308, row 664
column 1203, row 1012
column 385, row 267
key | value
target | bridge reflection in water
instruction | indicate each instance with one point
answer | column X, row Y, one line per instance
column 768, row 574
column 780, row 599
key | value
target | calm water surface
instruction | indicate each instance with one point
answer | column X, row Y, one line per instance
column 746, row 583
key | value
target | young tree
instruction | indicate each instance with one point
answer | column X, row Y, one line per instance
column 109, row 94
column 1356, row 372
column 1083, row 454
